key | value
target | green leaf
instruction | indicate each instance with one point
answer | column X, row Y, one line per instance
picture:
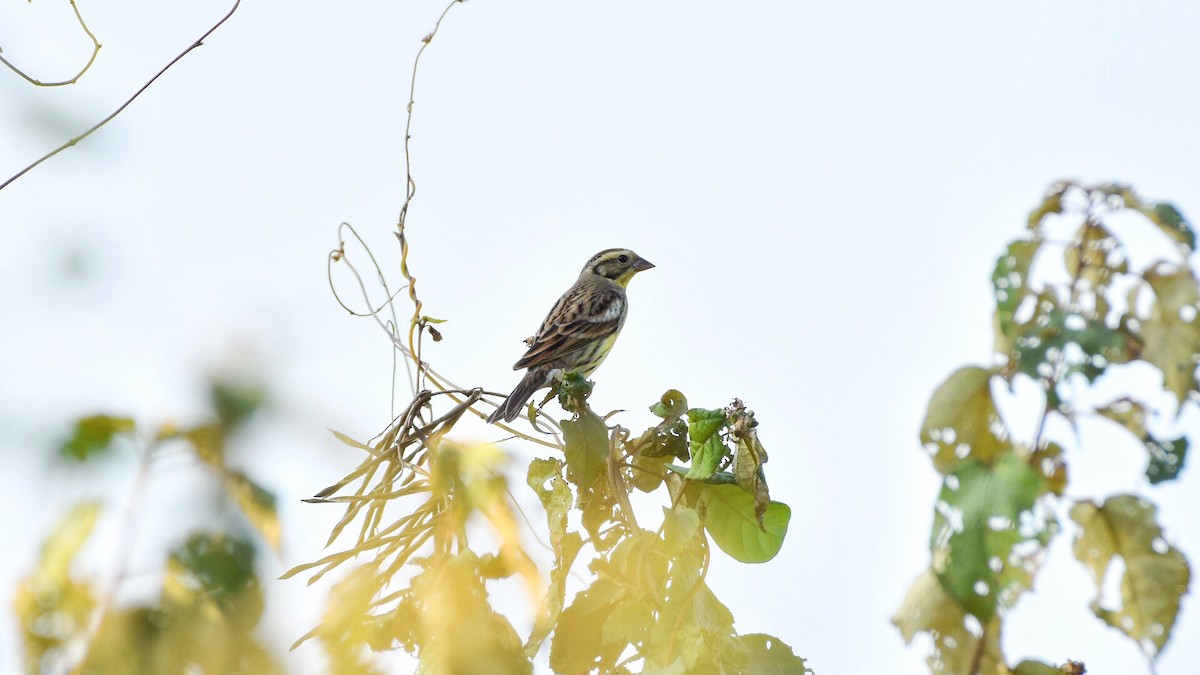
column 257, row 504
column 93, row 435
column 235, row 401
column 707, row 457
column 672, row 405
column 961, row 420
column 731, row 522
column 586, row 440
column 1156, row 575
column 977, row 524
column 223, row 564
column 703, row 423
column 1166, row 459
column 556, row 499
column 768, row 655
column 1172, row 332
column 1042, row 340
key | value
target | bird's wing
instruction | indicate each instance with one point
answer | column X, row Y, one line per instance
column 582, row 315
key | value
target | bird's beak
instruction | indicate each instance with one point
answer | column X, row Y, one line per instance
column 642, row 265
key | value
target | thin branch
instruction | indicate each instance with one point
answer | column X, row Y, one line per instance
column 73, row 80
column 121, row 554
column 124, row 105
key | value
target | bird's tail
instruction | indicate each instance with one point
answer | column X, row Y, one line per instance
column 512, row 406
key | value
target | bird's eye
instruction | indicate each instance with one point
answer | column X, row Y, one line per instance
column 622, row 258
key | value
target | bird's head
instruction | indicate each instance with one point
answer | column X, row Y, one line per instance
column 617, row 264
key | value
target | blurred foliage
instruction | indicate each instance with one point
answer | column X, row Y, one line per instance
column 210, row 601
column 423, row 585
column 1065, row 323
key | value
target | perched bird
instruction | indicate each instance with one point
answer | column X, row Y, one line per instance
column 578, row 333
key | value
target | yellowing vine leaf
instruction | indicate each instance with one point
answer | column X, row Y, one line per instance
column 1156, row 575
column 962, row 420
column 1172, row 332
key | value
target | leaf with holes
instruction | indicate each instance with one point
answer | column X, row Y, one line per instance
column 1172, row 331
column 1010, row 283
column 928, row 608
column 1156, row 574
column 962, row 421
column 982, row 516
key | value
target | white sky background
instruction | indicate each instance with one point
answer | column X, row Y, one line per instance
column 823, row 186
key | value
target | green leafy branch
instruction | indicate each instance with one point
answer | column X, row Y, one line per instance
column 1065, row 329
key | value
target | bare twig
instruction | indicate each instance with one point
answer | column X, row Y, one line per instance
column 124, row 105
column 73, row 80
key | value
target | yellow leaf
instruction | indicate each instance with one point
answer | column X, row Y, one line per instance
column 962, row 421
column 257, row 504
column 1172, row 332
column 1155, row 577
column 928, row 608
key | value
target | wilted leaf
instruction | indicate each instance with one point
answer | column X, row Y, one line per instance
column 586, row 440
column 556, row 499
column 747, row 469
column 962, row 421
column 928, row 608
column 672, row 405
column 977, row 524
column 1172, row 332
column 1051, row 203
column 93, row 435
column 257, row 504
column 731, row 522
column 1156, row 575
column 1095, row 256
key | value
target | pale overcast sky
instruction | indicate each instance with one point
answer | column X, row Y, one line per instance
column 824, row 188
